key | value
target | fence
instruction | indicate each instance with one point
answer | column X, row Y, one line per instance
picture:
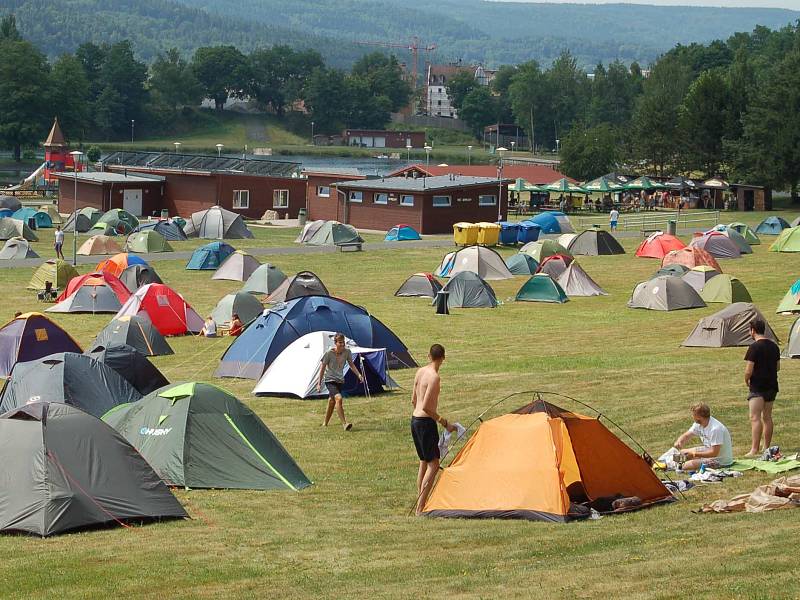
column 655, row 220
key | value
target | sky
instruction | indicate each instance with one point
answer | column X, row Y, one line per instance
column 790, row 4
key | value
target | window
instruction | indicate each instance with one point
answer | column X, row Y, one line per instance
column 440, row 201
column 241, row 199
column 356, row 196
column 323, row 191
column 439, row 102
column 406, row 200
column 280, row 199
column 487, row 200
column 381, row 198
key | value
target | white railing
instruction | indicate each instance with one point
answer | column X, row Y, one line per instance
column 654, row 220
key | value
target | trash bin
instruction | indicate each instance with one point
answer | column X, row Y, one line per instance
column 488, row 233
column 672, row 227
column 528, row 232
column 441, row 302
column 302, row 216
column 164, row 214
column 508, row 233
column 465, row 234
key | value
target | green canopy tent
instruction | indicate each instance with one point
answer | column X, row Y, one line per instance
column 644, row 183
column 602, row 184
column 145, row 242
column 724, row 288
column 541, row 288
column 197, row 435
column 565, row 186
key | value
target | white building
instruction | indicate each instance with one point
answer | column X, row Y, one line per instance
column 437, row 102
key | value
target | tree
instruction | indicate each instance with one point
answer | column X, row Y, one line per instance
column 384, row 78
column 94, row 153
column 326, row 98
column 704, row 120
column 127, row 77
column 92, row 56
column 459, row 85
column 280, row 74
column 223, row 72
column 173, row 80
column 479, row 109
column 613, row 94
column 69, row 97
column 109, row 111
column 8, row 29
column 499, row 86
column 589, row 153
column 529, row 100
column 568, row 86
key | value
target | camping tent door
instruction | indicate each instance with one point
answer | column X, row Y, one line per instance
column 132, row 202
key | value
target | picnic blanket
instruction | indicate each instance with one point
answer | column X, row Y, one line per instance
column 783, row 492
column 774, row 467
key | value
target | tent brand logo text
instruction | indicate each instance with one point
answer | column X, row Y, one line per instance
column 155, row 431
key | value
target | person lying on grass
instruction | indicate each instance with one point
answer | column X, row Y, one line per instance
column 716, row 451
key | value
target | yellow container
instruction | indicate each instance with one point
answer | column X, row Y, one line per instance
column 465, row 234
column 488, row 234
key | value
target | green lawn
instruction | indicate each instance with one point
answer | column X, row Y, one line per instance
column 350, row 534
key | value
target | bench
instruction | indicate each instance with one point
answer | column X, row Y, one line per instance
column 350, row 247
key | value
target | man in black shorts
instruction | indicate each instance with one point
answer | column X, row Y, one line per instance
column 425, row 400
column 331, row 371
column 761, row 376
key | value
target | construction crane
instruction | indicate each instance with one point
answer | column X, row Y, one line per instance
column 412, row 46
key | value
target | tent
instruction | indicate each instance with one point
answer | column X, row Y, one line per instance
column 41, row 219
column 717, row 245
column 734, row 236
column 92, row 293
column 595, row 242
column 31, row 336
column 209, row 257
column 116, row 215
column 197, row 435
column 792, row 349
column 216, row 223
column 674, row 270
column 99, row 244
column 296, row 370
column 71, row 471
column 305, row 283
column 746, row 232
column 237, row 267
column 171, row 230
column 402, row 233
column 166, row 309
column 118, row 263
column 16, row 248
column 266, row 337
column 697, row 277
column 87, row 217
column 264, row 280
column 13, row 228
column 658, row 244
column 788, row 241
column 76, row 379
column 4, row 212
column 56, row 271
column 333, row 233
column 553, row 222
column 131, row 365
column 480, row 260
column 554, row 265
column 725, row 288
column 728, row 327
column 535, row 463
column 145, row 242
column 136, row 276
column 576, row 282
column 11, row 203
column 541, row 249
column 791, row 301
column 541, row 288
column 310, row 228
column 243, row 304
column 111, row 227
column 522, row 264
column 690, row 256
column 52, row 212
column 423, row 285
column 469, row 290
column 565, row 239
column 772, row 226
column 135, row 331
column 665, row 293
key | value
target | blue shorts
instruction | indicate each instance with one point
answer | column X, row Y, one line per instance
column 613, row 223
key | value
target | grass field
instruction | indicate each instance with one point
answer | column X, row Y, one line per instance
column 350, row 534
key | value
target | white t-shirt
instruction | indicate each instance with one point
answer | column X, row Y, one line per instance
column 210, row 328
column 716, row 434
column 59, row 237
column 614, row 216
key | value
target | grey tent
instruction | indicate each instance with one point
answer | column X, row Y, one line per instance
column 243, row 304
column 72, row 471
column 792, row 349
column 468, row 290
column 522, row 264
column 216, row 223
column 89, row 299
column 697, row 277
column 576, row 282
column 17, row 247
column 10, row 228
column 131, row 365
column 11, row 203
column 333, row 233
column 717, row 245
column 87, row 218
column 308, row 231
column 736, row 237
column 264, row 280
column 595, row 242
column 423, row 285
column 665, row 293
column 135, row 276
column 135, row 331
column 728, row 327
column 237, row 267
column 480, row 260
column 70, row 378
column 171, row 230
column 305, row 283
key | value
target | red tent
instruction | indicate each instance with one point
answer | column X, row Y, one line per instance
column 658, row 245
column 555, row 265
column 96, row 279
column 691, row 257
column 166, row 309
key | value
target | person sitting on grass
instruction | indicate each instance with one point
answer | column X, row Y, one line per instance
column 717, row 449
column 236, row 325
column 209, row 327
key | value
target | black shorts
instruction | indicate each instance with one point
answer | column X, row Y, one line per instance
column 768, row 396
column 334, row 387
column 426, row 438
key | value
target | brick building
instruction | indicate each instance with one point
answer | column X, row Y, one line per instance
column 138, row 193
column 379, row 138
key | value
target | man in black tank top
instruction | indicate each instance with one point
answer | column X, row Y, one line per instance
column 761, row 376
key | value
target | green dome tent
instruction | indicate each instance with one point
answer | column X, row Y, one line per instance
column 264, row 280
column 522, row 264
column 56, row 271
column 541, row 249
column 333, row 233
column 241, row 303
column 198, row 436
column 724, row 288
column 541, row 288
column 468, row 290
column 788, row 241
column 10, row 228
column 145, row 242
column 791, row 301
column 747, row 232
column 118, row 214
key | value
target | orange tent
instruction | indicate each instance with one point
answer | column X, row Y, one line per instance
column 691, row 257
column 533, row 463
column 658, row 244
column 118, row 263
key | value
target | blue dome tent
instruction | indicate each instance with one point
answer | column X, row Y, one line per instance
column 553, row 222
column 209, row 257
column 401, row 233
column 42, row 219
column 772, row 226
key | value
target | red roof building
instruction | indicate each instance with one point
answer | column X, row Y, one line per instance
column 535, row 174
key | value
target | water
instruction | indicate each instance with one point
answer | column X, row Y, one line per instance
column 365, row 166
column 13, row 176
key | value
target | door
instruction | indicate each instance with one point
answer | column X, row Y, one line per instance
column 132, row 202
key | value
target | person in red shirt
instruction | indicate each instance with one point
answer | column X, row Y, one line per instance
column 236, row 325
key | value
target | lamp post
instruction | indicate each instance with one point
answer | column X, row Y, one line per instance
column 177, row 147
column 500, row 151
column 132, row 122
column 219, row 149
column 557, row 143
column 427, row 155
column 312, row 133
column 76, row 158
column 469, row 155
column 408, row 152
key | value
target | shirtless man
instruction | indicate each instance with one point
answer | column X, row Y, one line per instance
column 425, row 400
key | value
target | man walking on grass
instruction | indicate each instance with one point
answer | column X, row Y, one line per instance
column 425, row 400
column 331, row 372
column 58, row 242
column 761, row 376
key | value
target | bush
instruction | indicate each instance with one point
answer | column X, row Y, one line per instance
column 93, row 153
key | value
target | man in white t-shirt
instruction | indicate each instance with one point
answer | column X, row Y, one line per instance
column 613, row 218
column 717, row 449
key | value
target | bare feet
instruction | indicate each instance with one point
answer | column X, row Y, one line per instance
column 753, row 453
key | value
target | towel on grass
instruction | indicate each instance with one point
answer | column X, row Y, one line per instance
column 768, row 466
